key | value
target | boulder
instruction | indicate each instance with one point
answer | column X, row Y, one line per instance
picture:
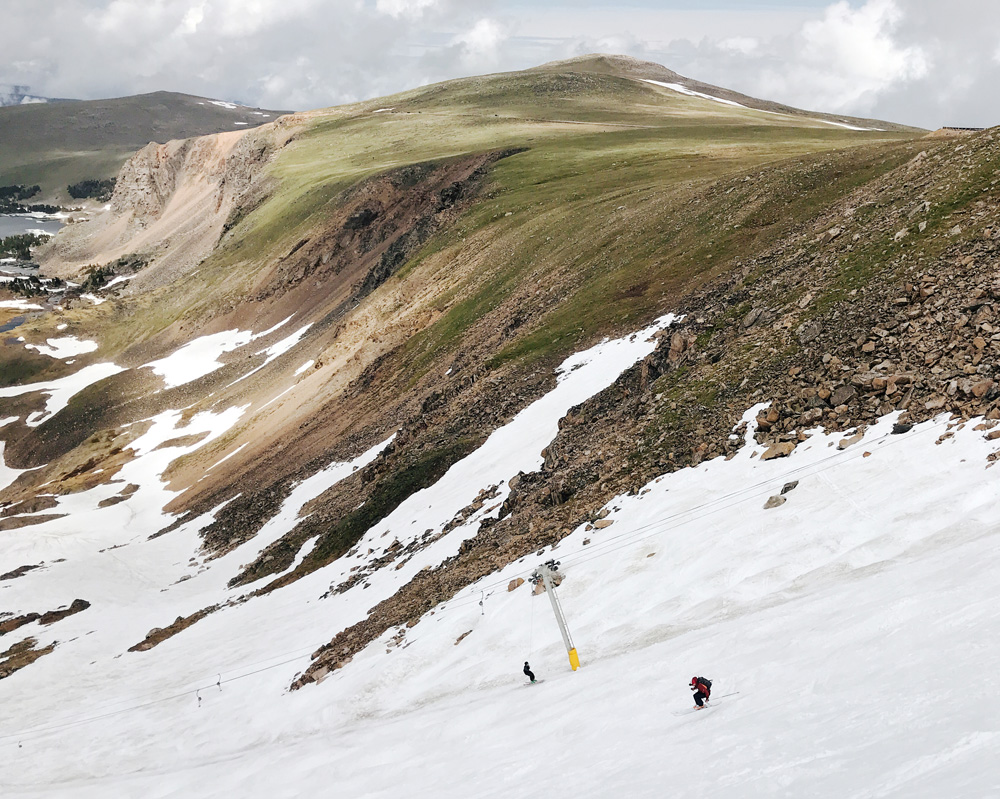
column 847, row 442
column 780, row 450
column 515, row 583
column 842, row 395
column 807, row 331
column 982, row 388
column 775, row 502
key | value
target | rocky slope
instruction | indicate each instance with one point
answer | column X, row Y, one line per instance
column 403, row 276
column 170, row 205
column 882, row 302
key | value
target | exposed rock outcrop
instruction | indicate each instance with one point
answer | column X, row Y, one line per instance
column 171, row 204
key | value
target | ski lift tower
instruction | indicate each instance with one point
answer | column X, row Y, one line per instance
column 545, row 574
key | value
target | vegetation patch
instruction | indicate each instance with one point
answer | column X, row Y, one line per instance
column 95, row 188
column 12, row 200
column 19, row 245
column 421, row 471
column 22, row 367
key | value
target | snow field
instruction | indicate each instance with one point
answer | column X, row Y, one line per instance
column 851, row 620
column 138, row 575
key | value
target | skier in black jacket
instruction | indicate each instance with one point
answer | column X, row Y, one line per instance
column 527, row 672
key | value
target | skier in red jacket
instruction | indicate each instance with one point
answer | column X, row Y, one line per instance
column 702, row 691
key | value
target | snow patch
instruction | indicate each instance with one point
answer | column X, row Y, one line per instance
column 62, row 348
column 681, row 89
column 277, row 349
column 227, row 457
column 61, row 391
column 304, row 492
column 677, row 87
column 117, row 280
column 199, row 357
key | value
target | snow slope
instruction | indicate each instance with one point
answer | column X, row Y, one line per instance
column 681, row 89
column 856, row 621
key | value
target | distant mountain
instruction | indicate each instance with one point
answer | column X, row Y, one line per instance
column 54, row 144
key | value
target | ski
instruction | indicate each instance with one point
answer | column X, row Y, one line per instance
column 691, row 710
column 708, row 706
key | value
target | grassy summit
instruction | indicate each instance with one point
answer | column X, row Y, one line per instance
column 595, row 208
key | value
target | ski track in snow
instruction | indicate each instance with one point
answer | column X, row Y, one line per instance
column 837, row 616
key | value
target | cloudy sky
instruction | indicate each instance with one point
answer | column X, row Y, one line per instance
column 923, row 62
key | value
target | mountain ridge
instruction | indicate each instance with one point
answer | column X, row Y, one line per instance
column 698, row 353
column 56, row 144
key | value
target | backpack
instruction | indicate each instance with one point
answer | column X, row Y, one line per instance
column 707, row 683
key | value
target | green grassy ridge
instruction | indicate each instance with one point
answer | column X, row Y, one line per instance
column 462, row 117
column 570, row 181
column 569, row 193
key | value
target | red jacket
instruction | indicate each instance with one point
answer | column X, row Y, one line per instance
column 700, row 686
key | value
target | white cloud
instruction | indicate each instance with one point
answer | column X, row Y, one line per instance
column 193, row 18
column 482, row 40
column 740, row 44
column 404, row 8
column 850, row 55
